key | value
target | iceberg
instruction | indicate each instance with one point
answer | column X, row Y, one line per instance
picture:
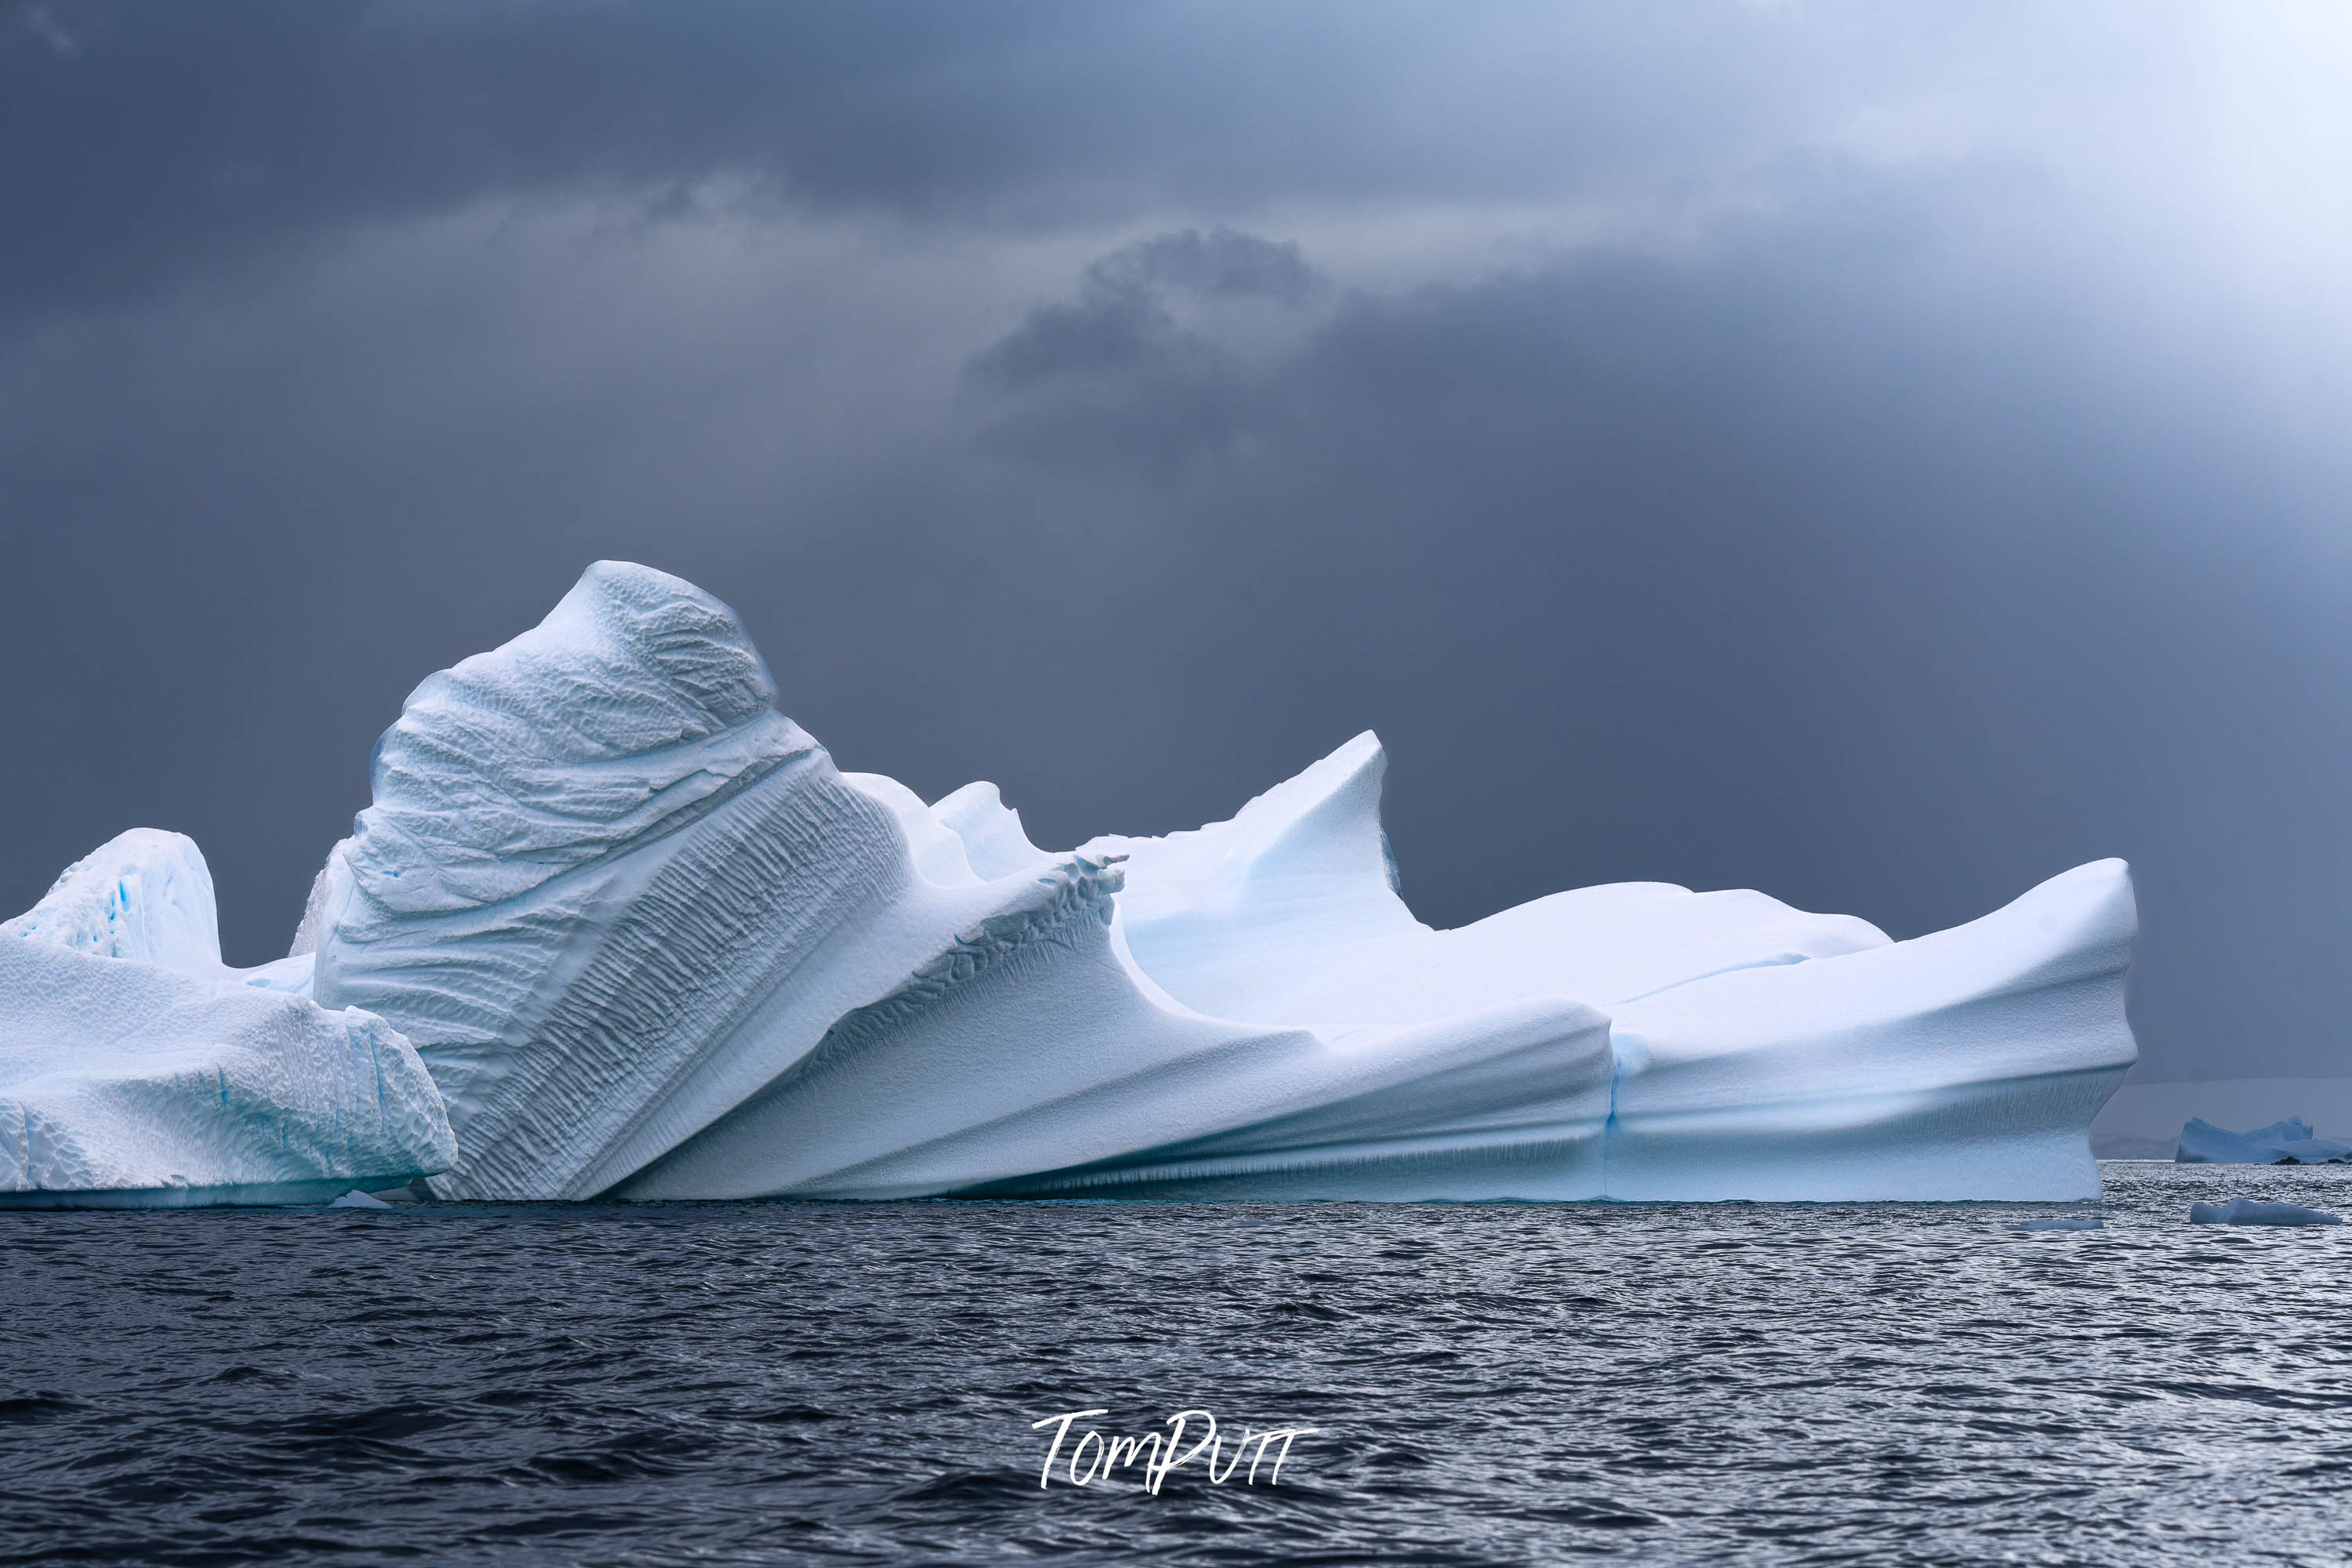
column 2247, row 1211
column 2288, row 1142
column 635, row 935
column 652, row 944
column 138, row 1070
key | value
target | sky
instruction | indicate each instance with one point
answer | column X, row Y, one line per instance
column 1884, row 455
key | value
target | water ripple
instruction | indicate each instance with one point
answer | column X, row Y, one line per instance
column 786, row 1383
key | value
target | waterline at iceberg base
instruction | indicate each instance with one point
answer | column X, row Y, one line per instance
column 635, row 936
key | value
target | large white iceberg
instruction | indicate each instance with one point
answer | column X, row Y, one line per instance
column 137, row 1069
column 649, row 943
column 653, row 944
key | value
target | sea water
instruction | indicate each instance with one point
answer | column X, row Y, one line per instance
column 789, row 1383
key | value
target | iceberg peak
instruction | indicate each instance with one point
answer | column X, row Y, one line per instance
column 632, row 707
column 136, row 1069
column 144, row 895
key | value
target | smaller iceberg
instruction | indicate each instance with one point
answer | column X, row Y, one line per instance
column 2246, row 1211
column 2288, row 1142
column 137, row 1070
column 144, row 895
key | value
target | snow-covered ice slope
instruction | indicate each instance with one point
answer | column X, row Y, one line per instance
column 1762, row 1052
column 1965, row 1064
column 135, row 1070
column 1035, row 1058
column 145, row 895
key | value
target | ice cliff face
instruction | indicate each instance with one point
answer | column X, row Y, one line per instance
column 651, row 943
column 136, row 1069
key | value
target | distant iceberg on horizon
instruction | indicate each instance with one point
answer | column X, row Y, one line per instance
column 2288, row 1142
column 643, row 940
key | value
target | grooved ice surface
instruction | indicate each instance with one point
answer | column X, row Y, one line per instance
column 136, row 1071
column 607, row 890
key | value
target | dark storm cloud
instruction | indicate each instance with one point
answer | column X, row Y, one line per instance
column 147, row 141
column 1790, row 568
column 1888, row 532
column 1119, row 372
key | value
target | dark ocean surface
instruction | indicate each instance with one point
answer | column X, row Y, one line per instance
column 789, row 1383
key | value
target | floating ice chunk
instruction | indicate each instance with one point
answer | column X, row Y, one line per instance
column 124, row 1083
column 2066, row 1222
column 2288, row 1142
column 2246, row 1211
column 355, row 1199
column 144, row 895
